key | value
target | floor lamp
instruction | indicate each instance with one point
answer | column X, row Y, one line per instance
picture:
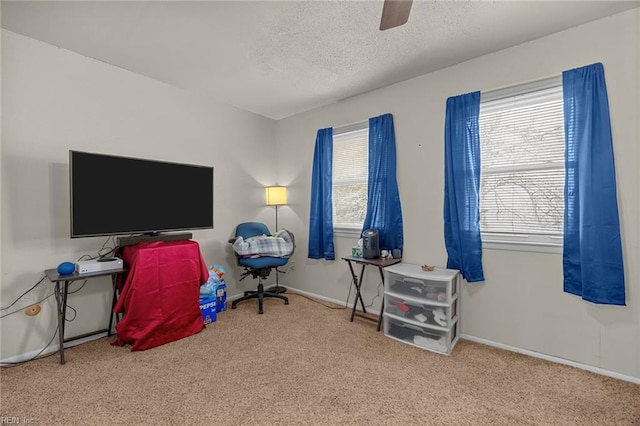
column 276, row 196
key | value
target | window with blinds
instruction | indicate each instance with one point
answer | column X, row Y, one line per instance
column 350, row 175
column 522, row 173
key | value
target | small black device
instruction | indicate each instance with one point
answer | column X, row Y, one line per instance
column 370, row 245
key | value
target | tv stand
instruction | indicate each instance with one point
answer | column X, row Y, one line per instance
column 147, row 238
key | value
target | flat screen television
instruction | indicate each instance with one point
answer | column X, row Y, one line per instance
column 112, row 195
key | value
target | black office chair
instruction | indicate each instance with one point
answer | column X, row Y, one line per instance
column 258, row 267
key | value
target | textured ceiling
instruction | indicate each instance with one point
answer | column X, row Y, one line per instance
column 279, row 58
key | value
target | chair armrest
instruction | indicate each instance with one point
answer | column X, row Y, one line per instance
column 232, row 240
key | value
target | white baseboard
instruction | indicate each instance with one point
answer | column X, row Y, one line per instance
column 557, row 360
column 51, row 349
column 54, row 347
column 328, row 299
column 551, row 358
column 315, row 296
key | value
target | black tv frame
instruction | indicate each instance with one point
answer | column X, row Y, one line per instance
column 151, row 233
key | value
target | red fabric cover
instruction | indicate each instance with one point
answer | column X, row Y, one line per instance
column 160, row 294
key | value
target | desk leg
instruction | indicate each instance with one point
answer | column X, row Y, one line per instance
column 354, row 280
column 61, row 299
column 114, row 280
column 357, row 282
column 381, row 306
column 364, row 310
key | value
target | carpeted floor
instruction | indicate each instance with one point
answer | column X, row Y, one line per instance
column 306, row 364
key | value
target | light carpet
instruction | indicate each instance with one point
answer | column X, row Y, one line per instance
column 306, row 364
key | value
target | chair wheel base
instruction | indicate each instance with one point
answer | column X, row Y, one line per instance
column 259, row 294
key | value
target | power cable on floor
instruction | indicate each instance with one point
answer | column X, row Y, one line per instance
column 318, row 302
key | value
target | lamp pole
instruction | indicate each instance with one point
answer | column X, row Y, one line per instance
column 276, row 196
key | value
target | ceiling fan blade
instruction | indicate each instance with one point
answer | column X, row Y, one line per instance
column 395, row 13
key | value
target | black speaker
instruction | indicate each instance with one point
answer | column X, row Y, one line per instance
column 370, row 246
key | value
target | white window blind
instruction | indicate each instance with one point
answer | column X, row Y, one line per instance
column 522, row 165
column 350, row 174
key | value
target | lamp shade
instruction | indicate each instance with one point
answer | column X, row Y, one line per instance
column 276, row 195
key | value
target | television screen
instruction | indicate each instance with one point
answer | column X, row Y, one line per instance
column 118, row 195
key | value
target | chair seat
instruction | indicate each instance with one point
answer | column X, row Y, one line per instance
column 263, row 262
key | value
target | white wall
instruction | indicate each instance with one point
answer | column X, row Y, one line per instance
column 521, row 304
column 54, row 100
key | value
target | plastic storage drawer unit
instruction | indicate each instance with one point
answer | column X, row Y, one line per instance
column 421, row 308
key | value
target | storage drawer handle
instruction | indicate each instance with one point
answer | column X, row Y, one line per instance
column 412, row 281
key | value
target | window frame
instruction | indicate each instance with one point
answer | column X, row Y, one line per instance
column 343, row 229
column 521, row 242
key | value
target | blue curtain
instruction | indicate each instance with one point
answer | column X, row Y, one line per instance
column 462, row 186
column 321, row 215
column 592, row 257
column 384, row 211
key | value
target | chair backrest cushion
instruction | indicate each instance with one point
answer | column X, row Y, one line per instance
column 251, row 229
